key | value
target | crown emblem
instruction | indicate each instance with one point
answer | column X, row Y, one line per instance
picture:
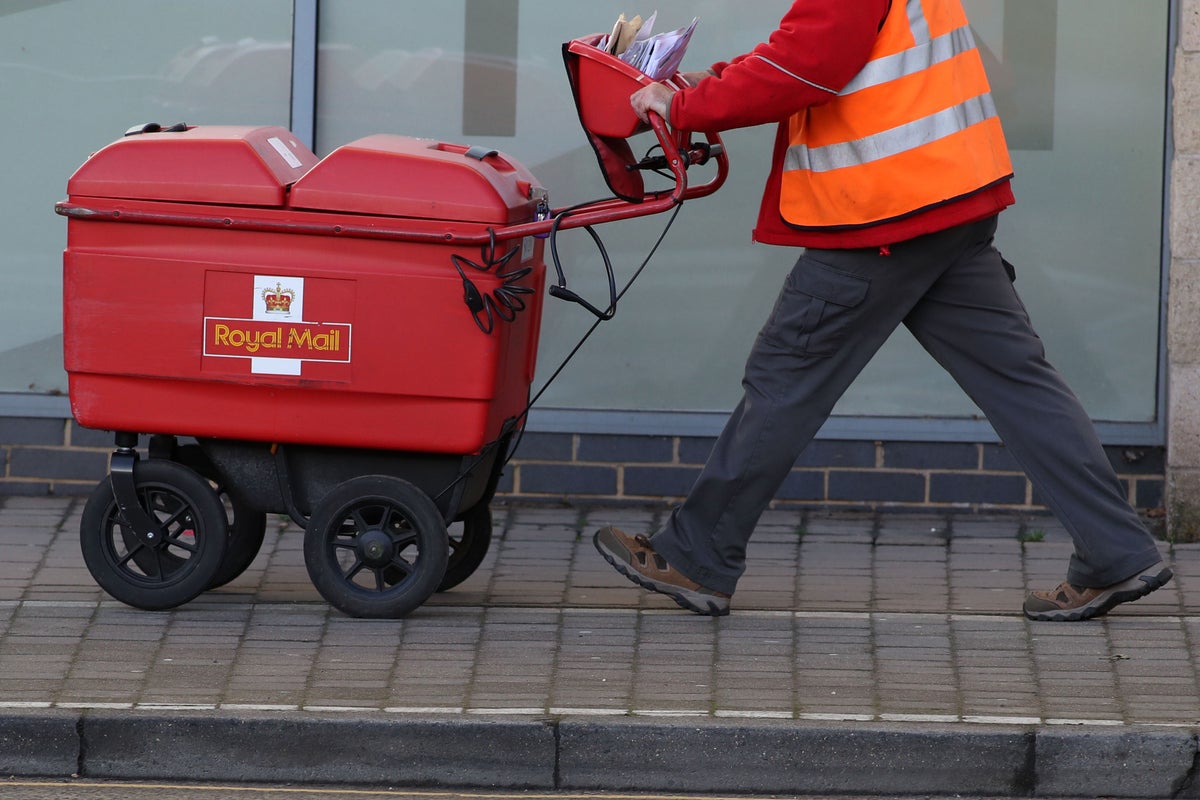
column 278, row 300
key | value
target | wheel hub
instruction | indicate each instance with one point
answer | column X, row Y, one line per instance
column 375, row 548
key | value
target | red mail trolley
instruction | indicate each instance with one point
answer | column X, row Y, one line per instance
column 349, row 341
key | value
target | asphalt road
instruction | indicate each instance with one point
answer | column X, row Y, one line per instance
column 13, row 789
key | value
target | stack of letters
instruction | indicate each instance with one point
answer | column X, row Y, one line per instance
column 658, row 56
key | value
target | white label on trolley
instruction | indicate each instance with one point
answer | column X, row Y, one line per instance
column 277, row 297
column 526, row 248
column 285, row 151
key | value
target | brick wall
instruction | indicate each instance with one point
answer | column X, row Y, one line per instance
column 54, row 456
column 51, row 456
column 913, row 475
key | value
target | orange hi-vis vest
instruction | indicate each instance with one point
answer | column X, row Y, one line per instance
column 915, row 129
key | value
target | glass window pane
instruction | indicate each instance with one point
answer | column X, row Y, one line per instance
column 1085, row 235
column 75, row 76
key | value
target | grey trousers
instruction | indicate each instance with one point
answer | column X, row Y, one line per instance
column 953, row 291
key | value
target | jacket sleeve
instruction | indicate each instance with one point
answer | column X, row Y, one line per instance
column 819, row 47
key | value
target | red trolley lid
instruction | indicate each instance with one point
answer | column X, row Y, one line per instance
column 230, row 165
column 399, row 176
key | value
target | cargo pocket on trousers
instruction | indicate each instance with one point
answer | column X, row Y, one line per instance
column 814, row 312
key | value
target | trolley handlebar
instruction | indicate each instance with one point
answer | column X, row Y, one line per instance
column 678, row 155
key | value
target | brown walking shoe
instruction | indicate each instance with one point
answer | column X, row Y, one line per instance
column 634, row 557
column 1069, row 603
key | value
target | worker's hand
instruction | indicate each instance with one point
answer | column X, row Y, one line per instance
column 654, row 97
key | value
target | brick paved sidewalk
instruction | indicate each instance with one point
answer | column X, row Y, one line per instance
column 841, row 618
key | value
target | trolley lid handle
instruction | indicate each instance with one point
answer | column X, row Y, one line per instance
column 481, row 153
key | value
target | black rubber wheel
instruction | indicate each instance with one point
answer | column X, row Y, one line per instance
column 167, row 573
column 469, row 539
column 247, row 527
column 376, row 546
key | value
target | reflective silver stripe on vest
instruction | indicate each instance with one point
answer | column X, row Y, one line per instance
column 917, row 21
column 892, row 142
column 911, row 61
column 924, row 53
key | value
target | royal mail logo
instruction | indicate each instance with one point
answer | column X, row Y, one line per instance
column 275, row 337
column 245, row 338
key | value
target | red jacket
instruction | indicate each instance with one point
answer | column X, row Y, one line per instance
column 823, row 44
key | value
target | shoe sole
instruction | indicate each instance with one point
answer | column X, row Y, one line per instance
column 1135, row 588
column 682, row 597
